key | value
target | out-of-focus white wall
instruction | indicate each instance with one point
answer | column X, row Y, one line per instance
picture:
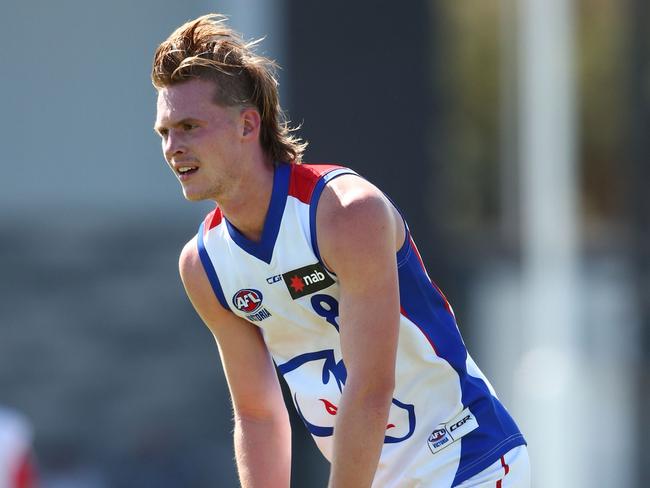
column 78, row 106
column 567, row 322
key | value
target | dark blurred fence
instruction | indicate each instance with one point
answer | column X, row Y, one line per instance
column 102, row 350
column 637, row 176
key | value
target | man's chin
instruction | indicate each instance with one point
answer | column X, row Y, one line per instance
column 200, row 194
column 193, row 197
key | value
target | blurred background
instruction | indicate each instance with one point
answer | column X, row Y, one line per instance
column 513, row 135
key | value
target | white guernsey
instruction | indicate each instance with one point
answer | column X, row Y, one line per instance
column 445, row 423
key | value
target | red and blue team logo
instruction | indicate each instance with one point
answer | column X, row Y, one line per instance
column 247, row 300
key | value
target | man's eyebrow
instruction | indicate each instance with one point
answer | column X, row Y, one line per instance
column 176, row 123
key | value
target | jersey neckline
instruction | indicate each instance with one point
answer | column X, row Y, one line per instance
column 263, row 249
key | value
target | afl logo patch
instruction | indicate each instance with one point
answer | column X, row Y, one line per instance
column 437, row 434
column 438, row 439
column 247, row 300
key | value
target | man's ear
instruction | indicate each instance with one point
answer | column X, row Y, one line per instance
column 251, row 122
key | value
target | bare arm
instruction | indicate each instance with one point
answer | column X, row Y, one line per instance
column 262, row 433
column 359, row 232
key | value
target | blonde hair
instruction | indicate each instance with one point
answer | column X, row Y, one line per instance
column 206, row 48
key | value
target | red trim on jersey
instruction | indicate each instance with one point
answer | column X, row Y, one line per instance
column 403, row 312
column 444, row 298
column 304, row 177
column 417, row 252
column 506, row 468
column 212, row 220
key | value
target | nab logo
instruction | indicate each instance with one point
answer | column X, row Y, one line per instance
column 307, row 280
column 247, row 300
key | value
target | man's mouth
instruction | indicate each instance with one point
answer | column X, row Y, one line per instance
column 187, row 170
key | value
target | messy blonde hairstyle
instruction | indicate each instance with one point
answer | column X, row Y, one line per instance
column 207, row 49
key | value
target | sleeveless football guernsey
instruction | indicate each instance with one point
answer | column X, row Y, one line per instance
column 445, row 423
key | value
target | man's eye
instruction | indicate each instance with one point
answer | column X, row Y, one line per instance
column 188, row 127
column 163, row 133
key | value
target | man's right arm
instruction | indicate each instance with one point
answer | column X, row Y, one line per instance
column 262, row 432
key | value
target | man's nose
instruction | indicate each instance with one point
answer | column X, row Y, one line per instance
column 173, row 145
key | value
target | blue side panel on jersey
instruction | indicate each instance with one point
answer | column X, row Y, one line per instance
column 497, row 432
column 313, row 206
column 209, row 270
column 263, row 249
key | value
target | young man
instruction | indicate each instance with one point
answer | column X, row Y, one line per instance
column 312, row 267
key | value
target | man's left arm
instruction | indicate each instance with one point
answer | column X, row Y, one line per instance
column 359, row 232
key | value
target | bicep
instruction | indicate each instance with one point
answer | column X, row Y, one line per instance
column 246, row 361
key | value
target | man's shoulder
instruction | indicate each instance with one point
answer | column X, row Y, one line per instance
column 305, row 178
column 197, row 283
column 352, row 197
column 189, row 261
column 353, row 211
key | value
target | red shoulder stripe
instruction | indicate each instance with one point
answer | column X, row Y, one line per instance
column 212, row 220
column 304, row 177
column 424, row 269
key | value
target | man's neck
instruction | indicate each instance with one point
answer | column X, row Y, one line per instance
column 247, row 209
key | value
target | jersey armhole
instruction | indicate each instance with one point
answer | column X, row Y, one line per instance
column 209, row 269
column 313, row 207
column 402, row 253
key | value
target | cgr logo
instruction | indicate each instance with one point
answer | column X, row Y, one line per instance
column 459, row 423
column 247, row 300
column 274, row 279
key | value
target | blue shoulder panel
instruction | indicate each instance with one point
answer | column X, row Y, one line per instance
column 209, row 270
